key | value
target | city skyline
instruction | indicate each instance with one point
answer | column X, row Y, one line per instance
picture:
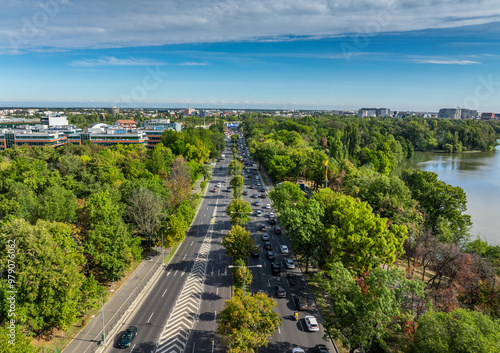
column 251, row 54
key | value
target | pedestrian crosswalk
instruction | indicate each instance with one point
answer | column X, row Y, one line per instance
column 178, row 328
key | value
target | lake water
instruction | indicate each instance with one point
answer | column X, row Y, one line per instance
column 478, row 173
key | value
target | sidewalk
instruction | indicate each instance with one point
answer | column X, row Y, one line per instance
column 90, row 336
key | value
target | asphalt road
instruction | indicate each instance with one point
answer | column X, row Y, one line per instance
column 150, row 316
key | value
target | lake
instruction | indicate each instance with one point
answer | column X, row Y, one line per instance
column 478, row 173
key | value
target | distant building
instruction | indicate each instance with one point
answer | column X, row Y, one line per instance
column 54, row 120
column 188, row 112
column 114, row 111
column 125, row 123
column 10, row 138
column 457, row 113
column 373, row 112
column 487, row 116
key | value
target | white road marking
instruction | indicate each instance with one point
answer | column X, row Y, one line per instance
column 132, row 348
column 217, row 291
column 215, row 315
column 205, row 215
column 269, row 283
column 150, row 317
column 175, row 272
column 164, row 293
column 212, row 346
column 279, row 331
column 192, row 243
column 194, row 345
column 185, row 256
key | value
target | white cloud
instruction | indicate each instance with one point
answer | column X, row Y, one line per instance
column 192, row 63
column 112, row 61
column 130, row 23
column 446, row 62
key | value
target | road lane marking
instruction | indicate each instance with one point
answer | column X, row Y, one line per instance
column 269, row 283
column 279, row 331
column 175, row 272
column 217, row 291
column 164, row 292
column 215, row 315
column 150, row 317
column 205, row 215
column 132, row 348
column 192, row 243
column 185, row 256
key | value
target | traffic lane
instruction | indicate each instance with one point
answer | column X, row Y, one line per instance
column 176, row 274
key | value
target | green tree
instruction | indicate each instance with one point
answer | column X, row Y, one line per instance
column 443, row 204
column 238, row 243
column 356, row 236
column 48, row 276
column 247, row 323
column 286, row 194
column 176, row 229
column 108, row 244
column 235, row 167
column 57, row 204
column 281, row 167
column 362, row 312
column 304, row 228
column 459, row 331
column 239, row 210
column 13, row 340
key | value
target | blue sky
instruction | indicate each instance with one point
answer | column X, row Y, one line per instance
column 294, row 54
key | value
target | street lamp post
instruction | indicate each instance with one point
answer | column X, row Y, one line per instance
column 244, row 275
column 102, row 314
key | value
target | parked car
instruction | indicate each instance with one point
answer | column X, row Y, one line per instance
column 268, row 245
column 289, row 263
column 275, row 268
column 300, row 303
column 127, row 337
column 280, row 291
column 265, row 236
column 311, row 323
column 277, row 230
column 284, row 249
column 270, row 255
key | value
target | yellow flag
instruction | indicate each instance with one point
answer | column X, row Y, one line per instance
column 326, row 163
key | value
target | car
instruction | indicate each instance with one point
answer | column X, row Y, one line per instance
column 259, row 213
column 254, row 196
column 257, row 203
column 275, row 268
column 258, row 184
column 261, row 291
column 245, row 192
column 298, row 350
column 262, row 196
column 221, row 167
column 300, row 303
column 127, row 337
column 280, row 291
column 291, row 278
column 270, row 255
column 268, row 245
column 289, row 263
column 228, row 190
column 242, row 172
column 284, row 249
column 252, row 187
column 262, row 190
column 311, row 323
column 256, row 177
column 272, row 221
column 271, row 215
column 321, row 348
column 214, row 190
column 255, row 252
column 265, row 236
column 277, row 230
column 219, row 185
column 262, row 228
column 268, row 206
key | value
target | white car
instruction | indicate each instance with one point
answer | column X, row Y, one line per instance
column 311, row 323
column 284, row 249
column 219, row 184
column 268, row 206
column 271, row 214
column 259, row 213
column 298, row 350
column 289, row 263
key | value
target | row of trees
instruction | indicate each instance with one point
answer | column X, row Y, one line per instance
column 368, row 218
column 247, row 321
column 80, row 215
